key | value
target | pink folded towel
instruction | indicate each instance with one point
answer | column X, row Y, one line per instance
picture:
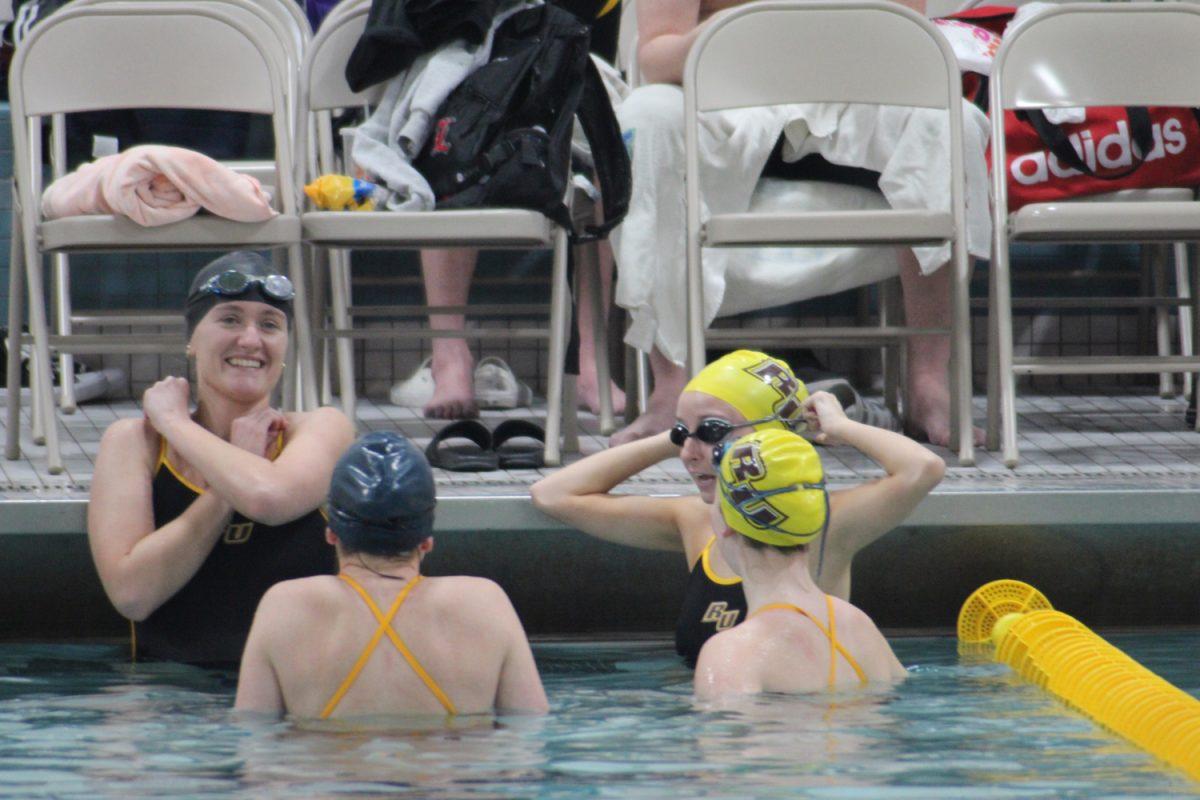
column 157, row 185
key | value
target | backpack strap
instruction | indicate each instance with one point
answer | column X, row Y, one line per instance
column 609, row 156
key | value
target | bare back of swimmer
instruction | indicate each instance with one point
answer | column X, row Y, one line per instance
column 379, row 638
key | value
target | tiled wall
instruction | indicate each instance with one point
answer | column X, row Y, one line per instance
column 160, row 281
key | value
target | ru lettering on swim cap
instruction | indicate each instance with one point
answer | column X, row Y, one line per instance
column 773, row 488
column 759, row 386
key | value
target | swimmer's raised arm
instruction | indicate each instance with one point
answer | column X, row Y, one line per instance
column 579, row 496
column 271, row 492
column 141, row 567
column 862, row 514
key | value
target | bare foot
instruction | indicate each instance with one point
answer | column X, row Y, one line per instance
column 928, row 413
column 453, row 386
column 647, row 424
column 588, row 394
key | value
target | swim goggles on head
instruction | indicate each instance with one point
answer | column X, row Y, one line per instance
column 712, row 430
column 232, row 283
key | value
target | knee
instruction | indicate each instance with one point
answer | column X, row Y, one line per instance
column 653, row 110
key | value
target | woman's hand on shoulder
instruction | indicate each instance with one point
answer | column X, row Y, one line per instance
column 166, row 402
column 824, row 418
column 257, row 431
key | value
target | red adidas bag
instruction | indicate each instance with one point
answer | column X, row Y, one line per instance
column 1112, row 149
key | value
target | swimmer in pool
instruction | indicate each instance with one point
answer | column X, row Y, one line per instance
column 379, row 638
column 194, row 514
column 741, row 392
column 773, row 507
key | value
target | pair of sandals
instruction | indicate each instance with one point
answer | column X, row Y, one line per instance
column 468, row 446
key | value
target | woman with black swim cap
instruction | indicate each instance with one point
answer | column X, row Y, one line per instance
column 194, row 514
column 741, row 392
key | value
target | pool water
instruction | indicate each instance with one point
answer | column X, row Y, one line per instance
column 76, row 721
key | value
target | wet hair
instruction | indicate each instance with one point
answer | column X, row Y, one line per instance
column 382, row 496
column 248, row 263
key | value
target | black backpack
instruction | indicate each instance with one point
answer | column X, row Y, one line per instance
column 503, row 136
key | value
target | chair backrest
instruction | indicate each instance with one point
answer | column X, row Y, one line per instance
column 771, row 53
column 854, row 51
column 627, row 43
column 1092, row 54
column 323, row 85
column 148, row 54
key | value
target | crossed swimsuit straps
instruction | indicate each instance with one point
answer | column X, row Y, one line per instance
column 385, row 629
column 835, row 646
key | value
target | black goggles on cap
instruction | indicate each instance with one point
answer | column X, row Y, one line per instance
column 713, row 430
column 232, row 283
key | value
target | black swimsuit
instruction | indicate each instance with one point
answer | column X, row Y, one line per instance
column 208, row 620
column 710, row 604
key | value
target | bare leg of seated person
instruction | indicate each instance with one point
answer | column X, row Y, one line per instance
column 927, row 305
column 447, row 275
column 669, row 380
column 588, row 386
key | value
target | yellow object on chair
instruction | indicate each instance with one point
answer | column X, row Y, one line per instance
column 341, row 193
column 1065, row 657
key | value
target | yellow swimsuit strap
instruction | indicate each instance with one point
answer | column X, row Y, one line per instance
column 385, row 628
column 835, row 646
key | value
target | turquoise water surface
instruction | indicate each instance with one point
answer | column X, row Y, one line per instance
column 76, row 721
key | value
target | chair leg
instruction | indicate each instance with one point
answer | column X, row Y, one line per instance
column 62, row 323
column 304, row 345
column 41, row 384
column 890, row 309
column 560, row 320
column 1194, row 266
column 993, row 366
column 339, row 283
column 1162, row 316
column 1184, row 292
column 1002, row 303
column 641, row 363
column 16, row 292
column 319, row 275
column 960, row 360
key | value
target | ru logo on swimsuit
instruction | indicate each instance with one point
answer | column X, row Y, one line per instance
column 719, row 612
column 238, row 533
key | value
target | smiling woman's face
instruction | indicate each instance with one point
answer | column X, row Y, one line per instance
column 239, row 348
column 692, row 409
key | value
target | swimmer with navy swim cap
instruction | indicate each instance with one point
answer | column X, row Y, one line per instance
column 197, row 511
column 773, row 507
column 742, row 392
column 456, row 644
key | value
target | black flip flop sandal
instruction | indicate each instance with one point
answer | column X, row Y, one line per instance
column 519, row 455
column 478, row 456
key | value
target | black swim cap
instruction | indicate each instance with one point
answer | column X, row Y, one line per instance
column 382, row 496
column 200, row 300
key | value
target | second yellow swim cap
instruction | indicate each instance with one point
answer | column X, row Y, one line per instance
column 756, row 384
column 773, row 488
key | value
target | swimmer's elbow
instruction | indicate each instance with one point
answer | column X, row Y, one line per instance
column 268, row 505
column 546, row 499
column 134, row 603
column 931, row 472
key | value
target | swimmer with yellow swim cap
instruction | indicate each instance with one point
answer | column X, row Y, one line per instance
column 774, row 506
column 740, row 393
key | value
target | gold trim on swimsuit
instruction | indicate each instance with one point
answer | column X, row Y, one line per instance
column 385, row 628
column 835, row 646
column 708, row 570
column 163, row 461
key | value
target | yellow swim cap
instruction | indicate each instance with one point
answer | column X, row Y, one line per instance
column 773, row 488
column 756, row 384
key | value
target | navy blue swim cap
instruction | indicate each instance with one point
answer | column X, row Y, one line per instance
column 203, row 294
column 382, row 496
